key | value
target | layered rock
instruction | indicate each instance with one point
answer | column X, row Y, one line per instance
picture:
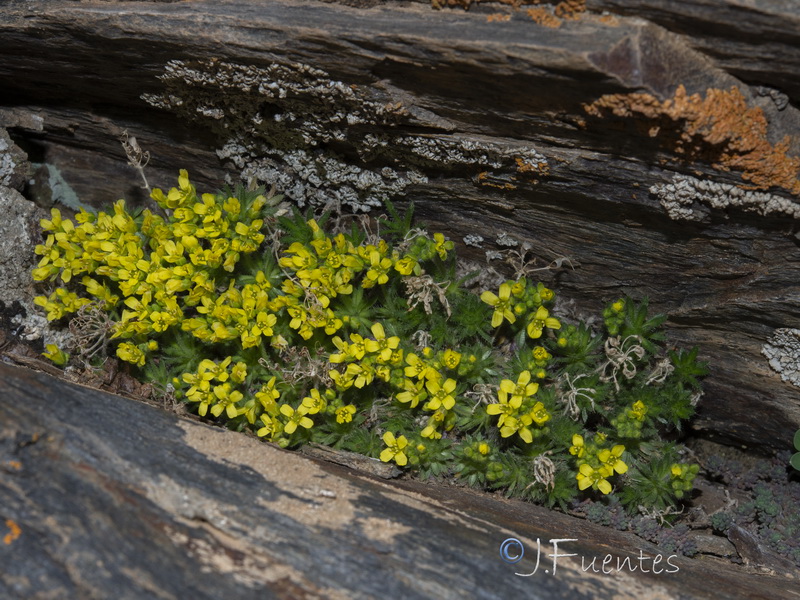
column 659, row 155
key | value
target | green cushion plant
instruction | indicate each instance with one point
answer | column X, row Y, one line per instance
column 323, row 330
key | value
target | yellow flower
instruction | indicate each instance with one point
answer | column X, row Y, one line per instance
column 594, row 478
column 539, row 414
column 271, row 426
column 131, row 353
column 395, row 449
column 611, row 459
column 345, row 414
column 296, row 417
column 451, row 359
column 518, row 287
column 55, row 354
column 520, row 390
column 541, row 354
column 506, row 408
column 577, row 448
column 381, row 345
column 226, row 401
column 414, row 392
column 405, row 265
column 419, row 368
column 314, row 403
column 518, row 425
column 501, row 304
column 545, row 294
column 239, row 372
column 441, row 246
column 431, row 433
column 638, row 411
column 483, row 448
column 378, row 271
column 540, row 320
column 268, row 396
column 441, row 395
column 176, row 197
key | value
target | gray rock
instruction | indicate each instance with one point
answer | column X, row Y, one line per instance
column 104, row 496
column 14, row 166
column 484, row 124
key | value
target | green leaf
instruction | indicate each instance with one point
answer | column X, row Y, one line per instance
column 797, row 440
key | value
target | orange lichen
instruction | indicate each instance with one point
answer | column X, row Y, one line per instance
column 528, row 168
column 719, row 126
column 610, row 20
column 487, row 180
column 542, row 17
column 13, row 533
column 570, row 9
column 12, row 465
column 496, row 17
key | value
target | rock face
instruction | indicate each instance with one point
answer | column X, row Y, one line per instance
column 102, row 496
column 654, row 144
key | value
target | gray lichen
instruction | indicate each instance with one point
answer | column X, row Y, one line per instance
column 506, row 241
column 474, row 240
column 780, row 99
column 325, row 142
column 688, row 198
column 13, row 162
column 783, row 353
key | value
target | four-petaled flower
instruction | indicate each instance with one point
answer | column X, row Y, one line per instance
column 441, row 395
column 588, row 476
column 506, row 408
column 296, row 417
column 520, row 390
column 577, row 448
column 611, row 459
column 345, row 414
column 501, row 304
column 314, row 403
column 395, row 449
column 540, row 320
column 451, row 358
column 539, row 414
column 381, row 345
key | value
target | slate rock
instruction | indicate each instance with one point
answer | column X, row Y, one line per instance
column 593, row 140
column 104, row 496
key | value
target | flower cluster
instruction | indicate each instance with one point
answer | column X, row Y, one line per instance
column 520, row 299
column 597, row 463
column 303, row 331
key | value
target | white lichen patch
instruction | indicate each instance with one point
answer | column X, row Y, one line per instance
column 688, row 198
column 473, row 239
column 318, row 179
column 783, row 353
column 7, row 165
column 13, row 163
column 326, row 142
